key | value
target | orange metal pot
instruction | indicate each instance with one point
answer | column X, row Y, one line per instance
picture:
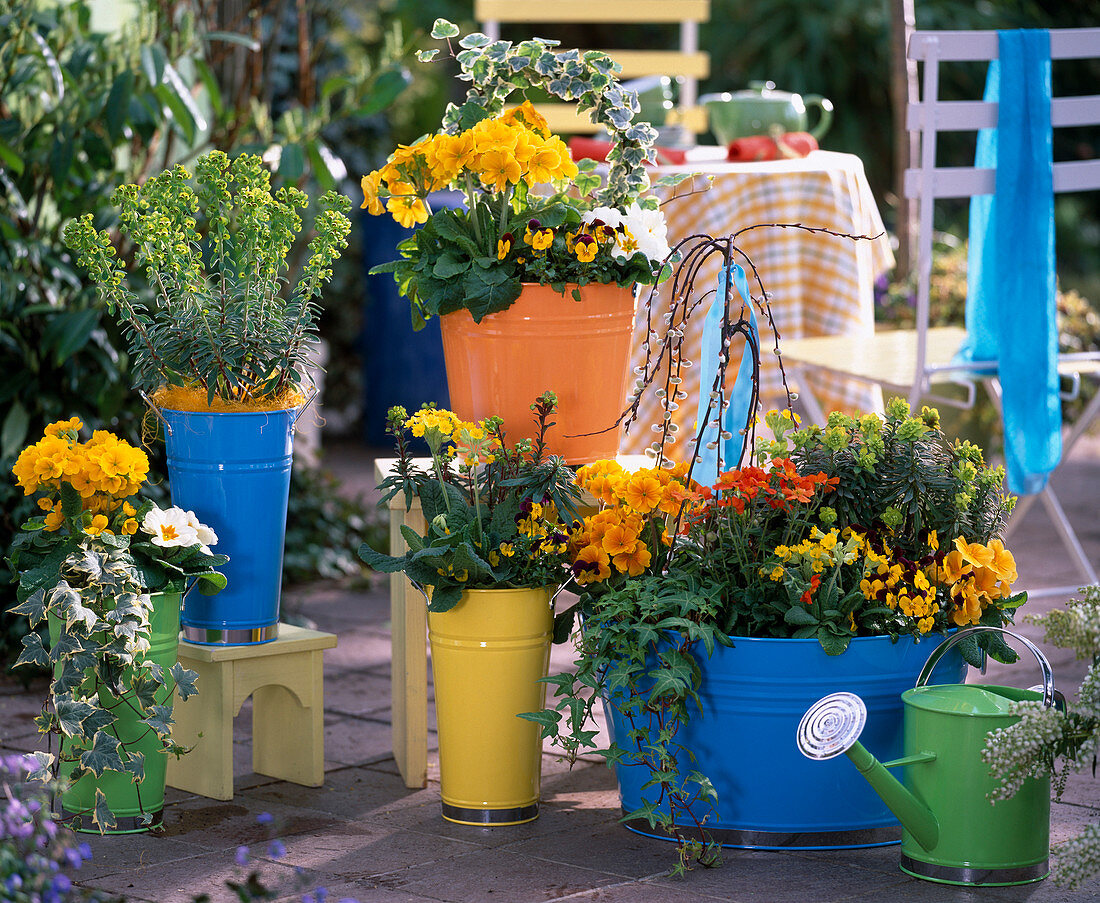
column 578, row 349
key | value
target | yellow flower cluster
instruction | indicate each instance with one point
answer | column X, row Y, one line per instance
column 499, row 152
column 105, row 470
column 432, row 420
column 972, row 577
column 915, row 596
column 977, row 574
column 633, row 507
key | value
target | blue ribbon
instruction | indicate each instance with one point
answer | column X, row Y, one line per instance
column 1010, row 305
column 737, row 411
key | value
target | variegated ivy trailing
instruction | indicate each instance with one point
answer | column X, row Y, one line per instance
column 103, row 615
column 93, row 565
column 497, row 69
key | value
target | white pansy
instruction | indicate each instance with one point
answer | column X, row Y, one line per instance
column 207, row 537
column 169, row 528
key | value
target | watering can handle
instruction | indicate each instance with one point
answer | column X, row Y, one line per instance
column 941, row 650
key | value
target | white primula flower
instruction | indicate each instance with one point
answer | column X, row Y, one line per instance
column 169, row 528
column 609, row 216
column 648, row 230
column 207, row 537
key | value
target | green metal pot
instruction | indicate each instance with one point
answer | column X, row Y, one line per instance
column 952, row 835
column 131, row 802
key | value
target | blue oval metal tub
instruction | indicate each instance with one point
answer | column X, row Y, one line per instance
column 770, row 796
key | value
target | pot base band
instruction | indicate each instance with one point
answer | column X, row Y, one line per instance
column 738, row 838
column 124, row 824
column 205, row 636
column 992, row 877
column 517, row 815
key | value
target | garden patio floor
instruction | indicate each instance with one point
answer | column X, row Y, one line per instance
column 363, row 835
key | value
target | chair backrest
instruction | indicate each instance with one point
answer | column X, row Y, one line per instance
column 928, row 115
column 687, row 63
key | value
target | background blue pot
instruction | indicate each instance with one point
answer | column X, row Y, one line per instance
column 769, row 795
column 233, row 471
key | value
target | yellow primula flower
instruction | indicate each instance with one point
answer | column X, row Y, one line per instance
column 371, row 184
column 642, row 492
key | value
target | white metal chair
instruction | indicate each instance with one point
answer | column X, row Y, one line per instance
column 915, row 362
column 688, row 63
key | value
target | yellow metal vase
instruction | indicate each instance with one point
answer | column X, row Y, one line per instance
column 488, row 653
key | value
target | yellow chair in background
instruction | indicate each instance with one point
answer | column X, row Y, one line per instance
column 687, row 64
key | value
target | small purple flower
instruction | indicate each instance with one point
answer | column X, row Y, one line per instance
column 242, row 855
column 276, row 849
column 265, row 818
column 62, row 884
column 85, row 852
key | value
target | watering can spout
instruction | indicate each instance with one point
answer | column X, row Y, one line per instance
column 830, row 727
column 916, row 817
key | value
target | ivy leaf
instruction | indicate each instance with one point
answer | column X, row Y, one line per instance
column 43, row 761
column 71, row 714
column 34, row 608
column 185, row 680
column 135, row 764
column 442, row 29
column 546, row 718
column 101, row 814
column 34, row 653
column 671, row 680
column 563, row 625
column 103, row 756
column 160, row 719
column 426, row 56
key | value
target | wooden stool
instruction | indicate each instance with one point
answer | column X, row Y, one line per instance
column 286, row 683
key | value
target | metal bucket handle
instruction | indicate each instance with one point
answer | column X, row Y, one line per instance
column 1048, row 691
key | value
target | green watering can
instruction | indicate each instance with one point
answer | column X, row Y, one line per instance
column 951, row 833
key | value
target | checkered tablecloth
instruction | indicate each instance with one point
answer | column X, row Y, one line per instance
column 816, row 284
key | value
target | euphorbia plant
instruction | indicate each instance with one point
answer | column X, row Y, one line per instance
column 89, row 564
column 214, row 249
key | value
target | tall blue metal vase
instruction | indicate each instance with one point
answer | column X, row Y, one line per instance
column 233, row 471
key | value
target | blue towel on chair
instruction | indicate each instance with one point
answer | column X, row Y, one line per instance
column 1010, row 305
